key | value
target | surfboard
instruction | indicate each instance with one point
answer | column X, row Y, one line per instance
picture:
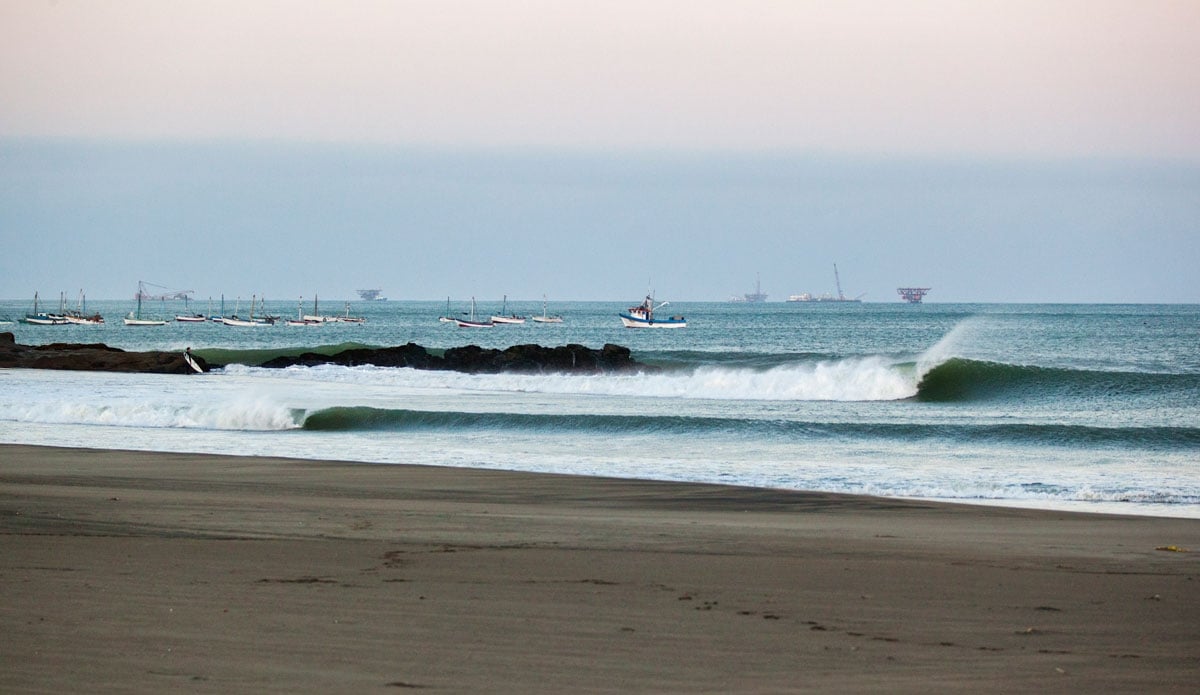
column 192, row 363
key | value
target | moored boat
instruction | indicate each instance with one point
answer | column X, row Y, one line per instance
column 472, row 322
column 347, row 318
column 135, row 317
column 41, row 318
column 191, row 316
column 546, row 318
column 506, row 318
column 446, row 317
column 80, row 317
column 301, row 319
column 239, row 322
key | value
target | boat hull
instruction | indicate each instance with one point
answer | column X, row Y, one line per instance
column 44, row 320
column 638, row 322
column 241, row 323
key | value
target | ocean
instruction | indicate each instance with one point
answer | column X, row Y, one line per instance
column 1070, row 407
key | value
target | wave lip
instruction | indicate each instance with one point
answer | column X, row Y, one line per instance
column 367, row 419
column 963, row 380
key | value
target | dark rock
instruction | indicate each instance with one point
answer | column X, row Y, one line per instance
column 472, row 359
column 569, row 359
column 91, row 357
column 410, row 355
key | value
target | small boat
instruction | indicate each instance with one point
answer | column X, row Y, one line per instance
column 546, row 318
column 191, row 317
column 301, row 319
column 79, row 315
column 135, row 318
column 642, row 316
column 446, row 317
column 41, row 318
column 505, row 317
column 316, row 316
column 347, row 318
column 472, row 322
column 238, row 322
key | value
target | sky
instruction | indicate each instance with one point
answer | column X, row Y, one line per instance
column 996, row 151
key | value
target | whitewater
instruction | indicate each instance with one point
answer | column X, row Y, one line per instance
column 1090, row 408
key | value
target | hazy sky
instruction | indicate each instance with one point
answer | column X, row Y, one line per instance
column 1008, row 150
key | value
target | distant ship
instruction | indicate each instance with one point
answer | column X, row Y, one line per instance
column 913, row 295
column 806, row 297
column 371, row 295
column 754, row 297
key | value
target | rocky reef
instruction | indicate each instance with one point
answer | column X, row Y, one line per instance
column 472, row 359
column 92, row 357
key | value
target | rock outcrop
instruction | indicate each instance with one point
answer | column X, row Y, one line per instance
column 91, row 357
column 472, row 359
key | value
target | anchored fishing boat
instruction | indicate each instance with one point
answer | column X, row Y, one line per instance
column 505, row 317
column 472, row 322
column 546, row 318
column 40, row 318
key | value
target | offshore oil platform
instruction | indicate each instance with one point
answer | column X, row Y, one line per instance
column 755, row 297
column 913, row 295
column 371, row 295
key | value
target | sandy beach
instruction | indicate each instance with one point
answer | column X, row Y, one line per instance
column 152, row 572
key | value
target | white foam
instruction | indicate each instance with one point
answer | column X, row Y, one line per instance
column 871, row 378
column 242, row 414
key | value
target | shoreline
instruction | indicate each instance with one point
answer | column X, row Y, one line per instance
column 145, row 571
column 1115, row 509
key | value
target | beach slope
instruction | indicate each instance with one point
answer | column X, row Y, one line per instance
column 155, row 572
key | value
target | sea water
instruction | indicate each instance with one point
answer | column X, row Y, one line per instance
column 1081, row 407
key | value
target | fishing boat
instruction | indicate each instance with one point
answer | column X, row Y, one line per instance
column 238, row 322
column 505, row 317
column 301, row 319
column 446, row 317
column 190, row 316
column 79, row 315
column 472, row 322
column 135, row 318
column 642, row 316
column 41, row 318
column 546, row 318
column 316, row 316
column 347, row 318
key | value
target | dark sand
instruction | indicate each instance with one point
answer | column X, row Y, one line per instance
column 150, row 572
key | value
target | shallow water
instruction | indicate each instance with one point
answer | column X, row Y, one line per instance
column 1059, row 406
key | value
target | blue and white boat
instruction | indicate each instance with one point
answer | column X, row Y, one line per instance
column 41, row 318
column 642, row 316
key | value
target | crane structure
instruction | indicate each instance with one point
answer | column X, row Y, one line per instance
column 162, row 293
column 913, row 295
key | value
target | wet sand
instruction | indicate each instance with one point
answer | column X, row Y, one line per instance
column 151, row 572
